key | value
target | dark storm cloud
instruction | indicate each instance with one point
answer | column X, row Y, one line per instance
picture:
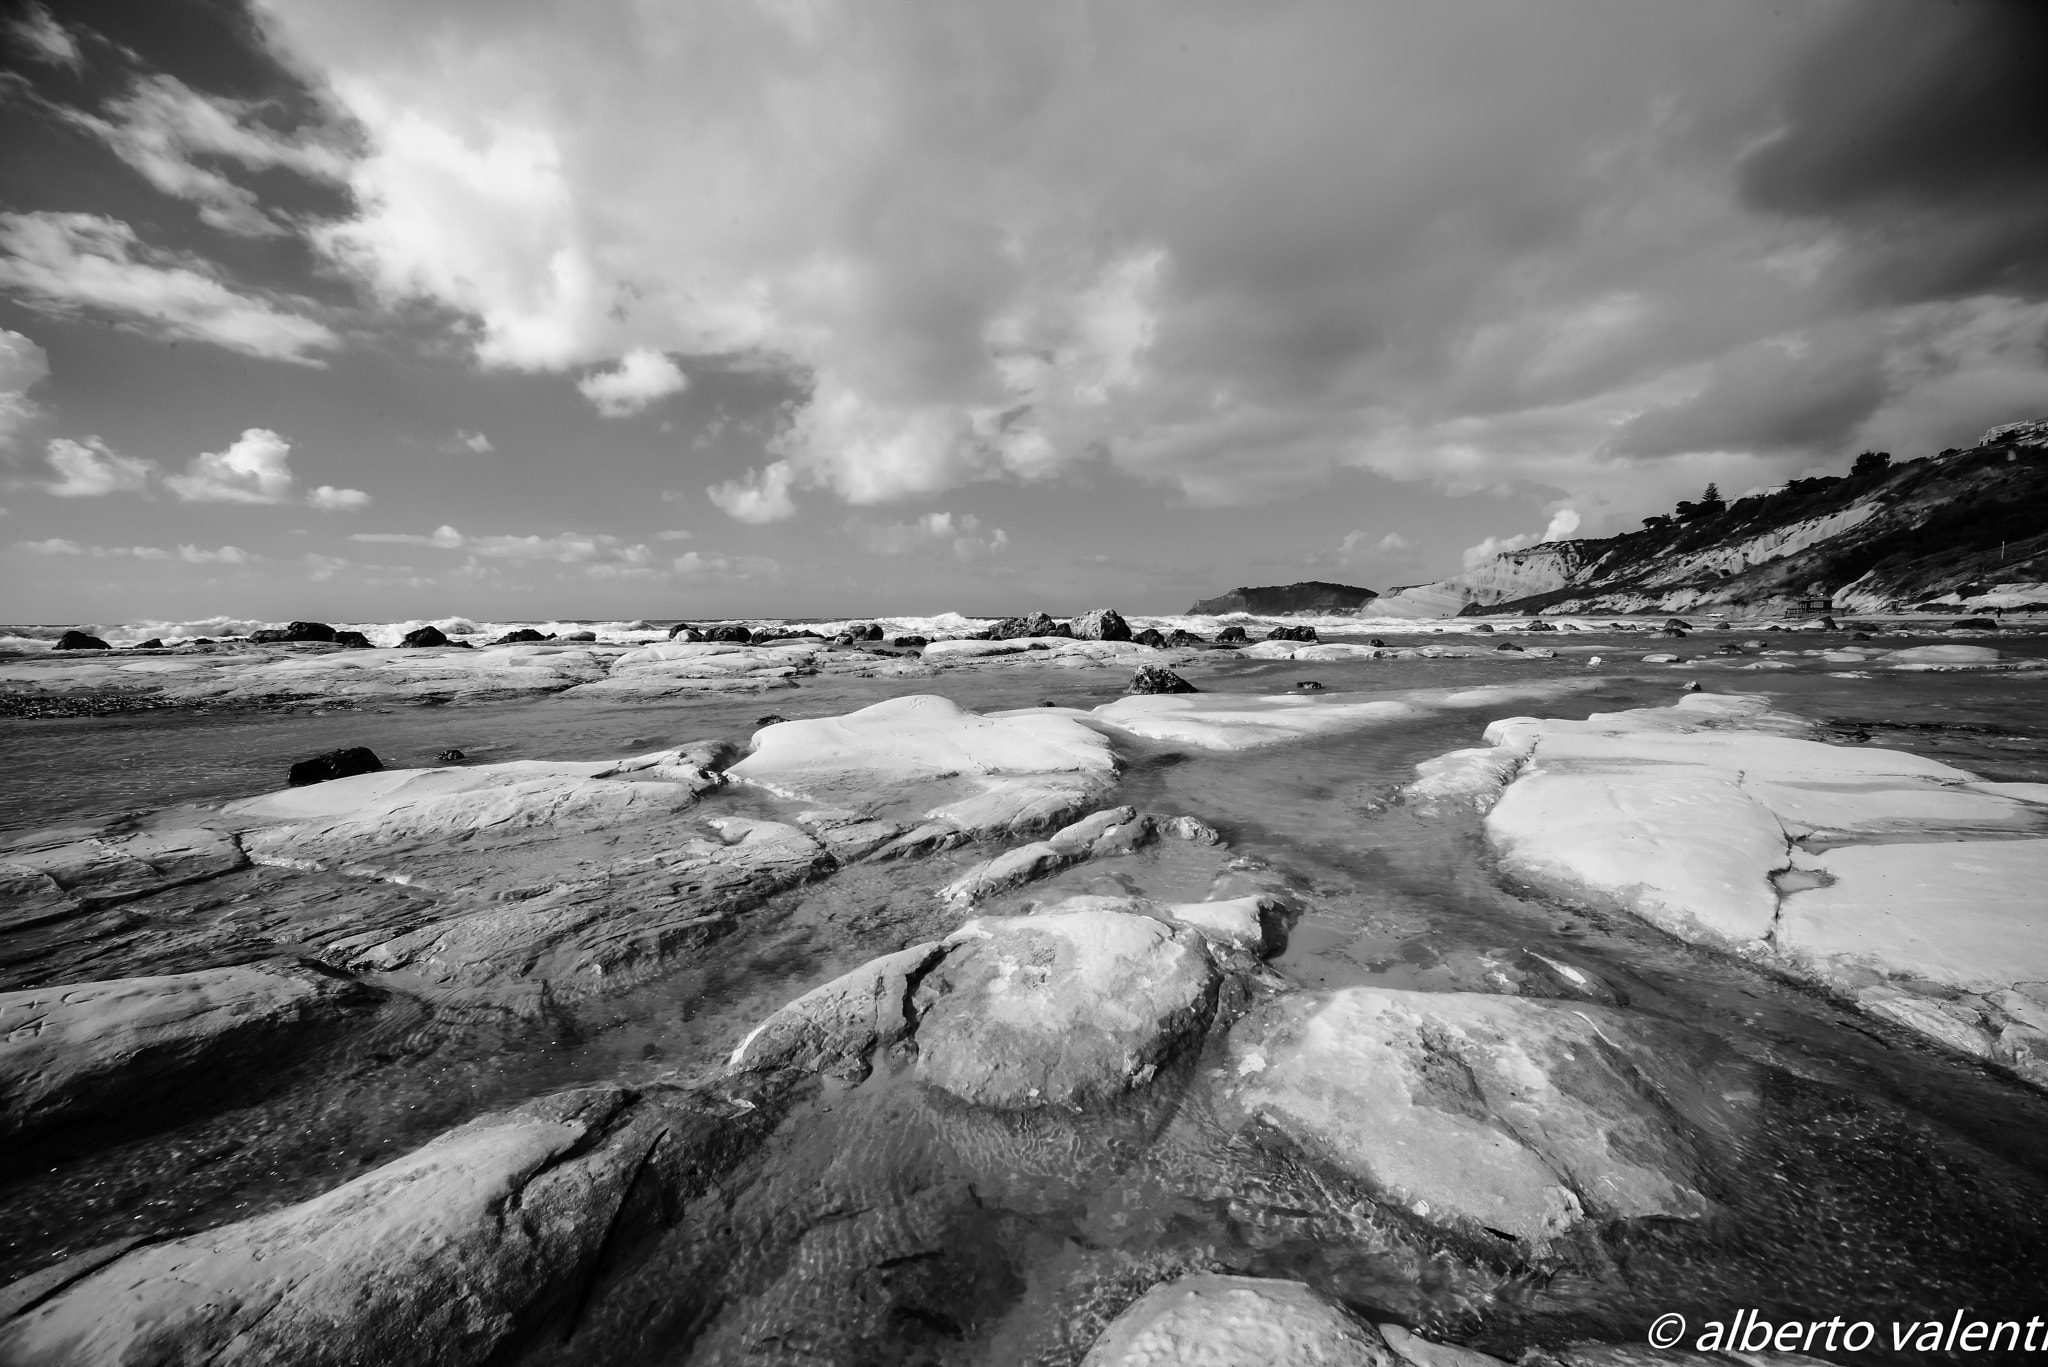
column 1922, row 128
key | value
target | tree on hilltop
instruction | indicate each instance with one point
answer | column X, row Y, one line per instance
column 1872, row 463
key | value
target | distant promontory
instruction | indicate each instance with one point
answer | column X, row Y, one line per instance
column 1312, row 596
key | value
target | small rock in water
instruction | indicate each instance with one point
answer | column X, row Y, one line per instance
column 423, row 638
column 1592, row 660
column 732, row 632
column 1509, row 645
column 1178, row 637
column 586, row 637
column 910, row 642
column 1153, row 679
column 681, row 627
column 1677, row 624
column 1828, row 624
column 78, row 640
column 1376, row 641
column 1150, row 636
column 525, row 634
column 1484, row 627
column 1230, row 635
column 151, row 644
column 344, row 763
column 1292, row 634
column 1660, row 659
column 1693, row 686
column 354, row 640
column 451, row 756
column 772, row 719
column 1306, row 683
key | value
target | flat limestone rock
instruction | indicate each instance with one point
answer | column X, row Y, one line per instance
column 579, row 937
column 1209, row 1320
column 438, row 1257
column 1062, row 1009
column 1691, row 817
column 1967, row 913
column 406, row 806
column 1224, row 721
column 101, row 870
column 922, row 740
column 1491, row 1113
column 838, row 1027
column 118, row 1048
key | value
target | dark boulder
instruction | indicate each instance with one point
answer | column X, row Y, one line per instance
column 295, row 631
column 1828, row 624
column 1538, row 624
column 731, row 631
column 1307, row 685
column 422, row 638
column 354, row 640
column 1292, row 634
column 1676, row 625
column 1231, row 635
column 1150, row 636
column 772, row 719
column 680, row 628
column 910, row 642
column 1670, row 634
column 581, row 637
column 1153, row 679
column 356, row 759
column 767, row 634
column 1312, row 596
column 151, row 644
column 264, row 636
column 451, row 756
column 1103, row 624
column 1037, row 624
column 1178, row 637
column 1486, row 627
column 1376, row 643
column 78, row 640
column 519, row 637
column 1974, row 624
column 1508, row 646
column 853, row 633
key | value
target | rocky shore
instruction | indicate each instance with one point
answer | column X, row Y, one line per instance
column 1061, row 1046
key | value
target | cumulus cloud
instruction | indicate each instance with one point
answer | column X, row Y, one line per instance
column 476, row 443
column 44, row 38
column 1011, row 242
column 23, row 366
column 55, row 545
column 762, row 497
column 329, row 499
column 163, row 128
column 191, row 555
column 1562, row 524
column 225, row 555
column 961, row 533
column 567, row 548
column 62, row 264
column 91, row 468
column 640, row 379
column 252, row 469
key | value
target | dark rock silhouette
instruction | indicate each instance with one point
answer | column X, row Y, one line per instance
column 344, row 763
column 78, row 640
column 1153, row 679
column 1312, row 595
column 423, row 638
column 1292, row 634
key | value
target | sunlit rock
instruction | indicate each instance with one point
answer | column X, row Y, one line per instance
column 1219, row 1321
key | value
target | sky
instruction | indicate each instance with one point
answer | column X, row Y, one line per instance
column 615, row 308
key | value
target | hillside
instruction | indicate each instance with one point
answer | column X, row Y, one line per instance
column 1961, row 522
column 1311, row 596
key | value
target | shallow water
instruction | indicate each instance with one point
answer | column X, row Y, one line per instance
column 1882, row 1178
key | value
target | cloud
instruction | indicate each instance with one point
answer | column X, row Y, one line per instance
column 475, row 443
column 711, row 567
column 23, row 366
column 45, row 39
column 91, row 468
column 55, row 545
column 225, row 555
column 762, row 497
column 674, row 496
column 62, row 264
column 329, row 499
column 161, row 127
column 962, row 533
column 674, row 534
column 641, row 378
column 567, row 548
column 252, row 469
column 1002, row 242
column 1562, row 524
